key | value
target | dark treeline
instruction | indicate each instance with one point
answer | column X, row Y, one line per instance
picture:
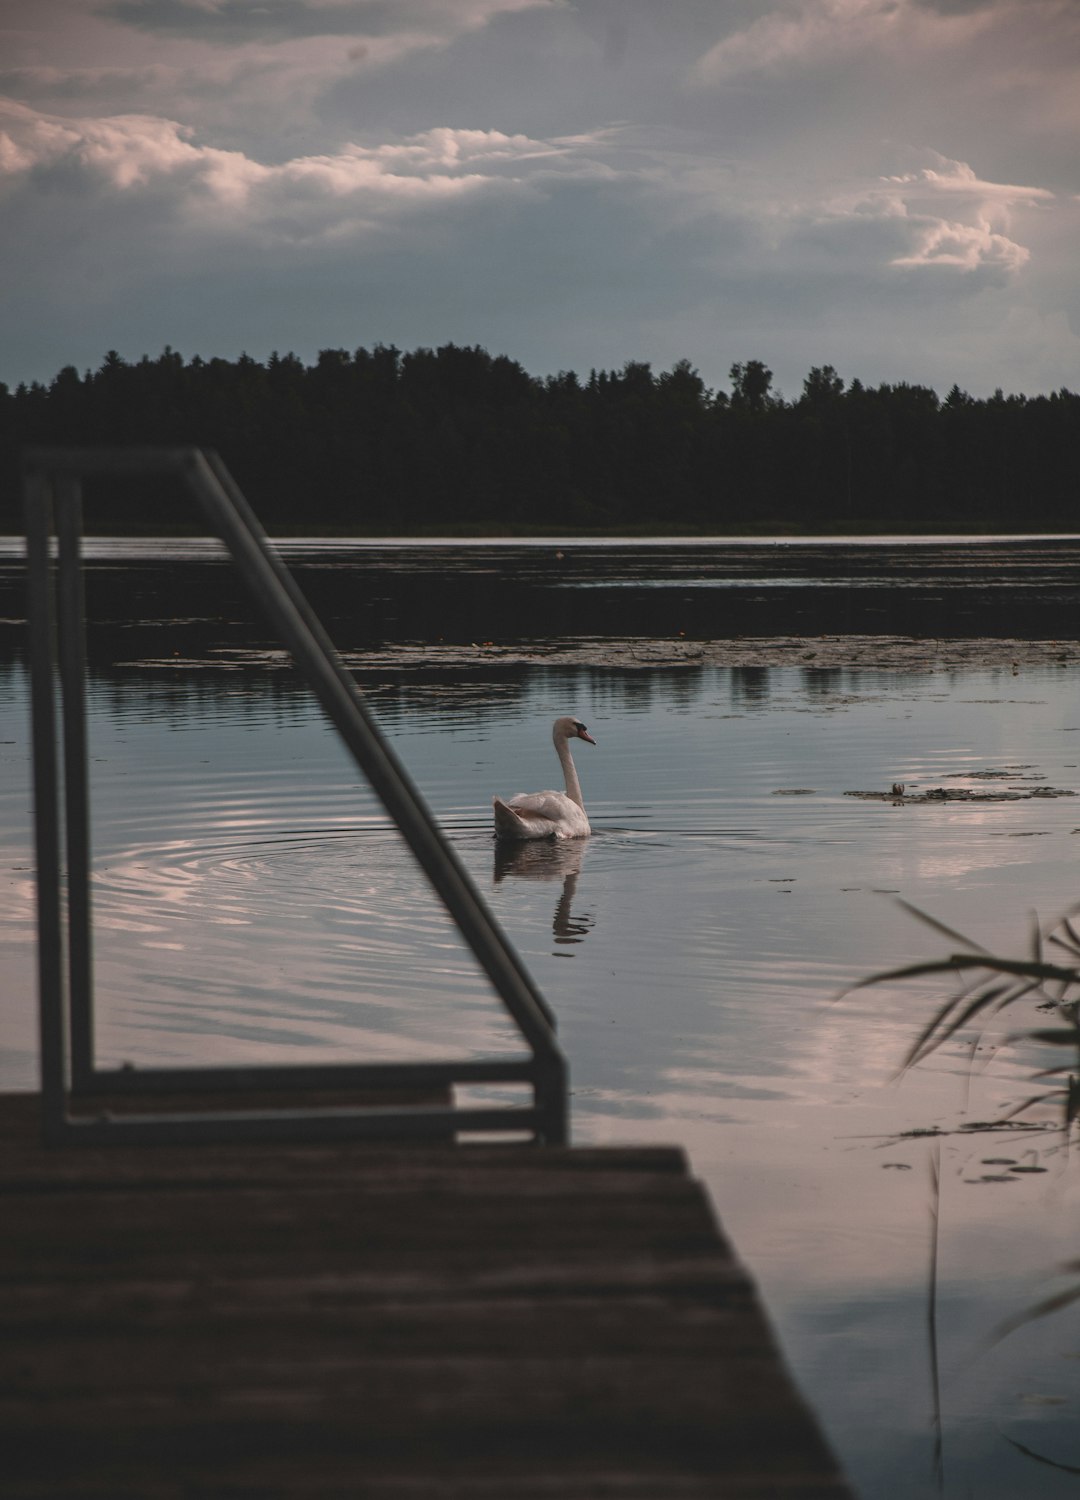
column 379, row 441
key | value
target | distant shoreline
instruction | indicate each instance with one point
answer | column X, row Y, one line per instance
column 655, row 537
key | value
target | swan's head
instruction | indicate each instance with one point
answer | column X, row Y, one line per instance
column 569, row 728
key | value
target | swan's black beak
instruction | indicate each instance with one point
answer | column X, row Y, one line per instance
column 583, row 734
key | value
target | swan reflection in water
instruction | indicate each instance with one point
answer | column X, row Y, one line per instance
column 549, row 859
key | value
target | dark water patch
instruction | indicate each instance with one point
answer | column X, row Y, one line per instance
column 150, row 601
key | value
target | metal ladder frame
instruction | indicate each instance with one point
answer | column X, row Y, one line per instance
column 53, row 508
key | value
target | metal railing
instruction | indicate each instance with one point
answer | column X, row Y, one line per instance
column 52, row 481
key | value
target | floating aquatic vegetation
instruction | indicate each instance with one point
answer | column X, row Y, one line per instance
column 962, row 794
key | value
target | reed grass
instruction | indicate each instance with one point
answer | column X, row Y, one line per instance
column 986, row 983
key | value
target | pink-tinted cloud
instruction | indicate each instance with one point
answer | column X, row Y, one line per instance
column 963, row 247
column 812, row 32
column 131, row 154
column 953, row 218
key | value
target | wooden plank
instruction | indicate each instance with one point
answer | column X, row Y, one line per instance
column 50, row 1335
column 625, row 1411
column 120, row 1229
column 354, row 1320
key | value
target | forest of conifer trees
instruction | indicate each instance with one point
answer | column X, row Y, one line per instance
column 454, row 439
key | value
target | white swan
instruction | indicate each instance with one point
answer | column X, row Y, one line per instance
column 549, row 815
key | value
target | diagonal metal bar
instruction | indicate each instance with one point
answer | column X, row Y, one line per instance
column 311, row 648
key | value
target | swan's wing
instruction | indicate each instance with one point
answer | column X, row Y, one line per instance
column 506, row 819
column 555, row 806
column 539, row 815
column 517, row 822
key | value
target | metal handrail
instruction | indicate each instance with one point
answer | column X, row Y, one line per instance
column 52, row 495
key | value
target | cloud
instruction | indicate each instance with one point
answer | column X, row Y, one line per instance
column 966, row 247
column 951, row 218
column 1001, row 72
column 818, row 31
column 125, row 152
column 221, row 174
column 355, row 189
column 959, row 179
column 812, row 32
column 253, row 75
column 957, row 7
column 229, row 21
column 939, row 215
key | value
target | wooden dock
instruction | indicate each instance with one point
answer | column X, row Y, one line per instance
column 401, row 1323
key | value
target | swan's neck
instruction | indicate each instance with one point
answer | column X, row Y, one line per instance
column 566, row 760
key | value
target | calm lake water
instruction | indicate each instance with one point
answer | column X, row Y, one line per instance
column 253, row 902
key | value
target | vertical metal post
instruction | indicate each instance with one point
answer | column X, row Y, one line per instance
column 67, row 499
column 550, row 1092
column 36, row 492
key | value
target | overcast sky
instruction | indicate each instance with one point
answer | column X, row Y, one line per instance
column 888, row 186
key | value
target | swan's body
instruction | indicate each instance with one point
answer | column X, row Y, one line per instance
column 549, row 815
